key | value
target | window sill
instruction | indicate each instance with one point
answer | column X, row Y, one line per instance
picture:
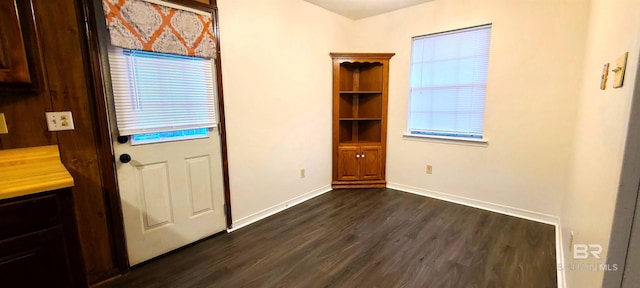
column 447, row 140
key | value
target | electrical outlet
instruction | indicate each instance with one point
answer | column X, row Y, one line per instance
column 302, row 173
column 571, row 242
column 58, row 121
column 429, row 169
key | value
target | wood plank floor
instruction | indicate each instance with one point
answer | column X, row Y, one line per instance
column 365, row 238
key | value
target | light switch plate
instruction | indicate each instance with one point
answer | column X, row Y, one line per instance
column 605, row 74
column 621, row 65
column 3, row 125
column 58, row 121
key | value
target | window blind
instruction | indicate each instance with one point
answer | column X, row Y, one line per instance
column 448, row 83
column 156, row 92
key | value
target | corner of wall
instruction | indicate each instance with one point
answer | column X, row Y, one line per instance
column 597, row 170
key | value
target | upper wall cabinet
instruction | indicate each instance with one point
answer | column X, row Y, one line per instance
column 18, row 46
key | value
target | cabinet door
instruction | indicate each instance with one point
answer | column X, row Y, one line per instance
column 35, row 260
column 348, row 157
column 14, row 67
column 370, row 163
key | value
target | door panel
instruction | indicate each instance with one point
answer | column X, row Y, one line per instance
column 348, row 163
column 172, row 194
column 371, row 163
column 199, row 185
column 152, row 182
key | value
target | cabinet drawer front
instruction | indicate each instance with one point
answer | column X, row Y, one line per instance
column 24, row 216
column 35, row 260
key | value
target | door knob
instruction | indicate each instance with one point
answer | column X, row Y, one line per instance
column 362, row 155
column 357, row 155
column 125, row 158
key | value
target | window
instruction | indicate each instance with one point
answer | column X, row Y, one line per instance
column 448, row 83
column 157, row 137
column 156, row 92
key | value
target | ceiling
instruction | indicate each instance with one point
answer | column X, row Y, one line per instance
column 358, row 9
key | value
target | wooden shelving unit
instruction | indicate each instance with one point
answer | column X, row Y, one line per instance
column 360, row 93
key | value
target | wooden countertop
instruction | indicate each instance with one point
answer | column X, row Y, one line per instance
column 32, row 170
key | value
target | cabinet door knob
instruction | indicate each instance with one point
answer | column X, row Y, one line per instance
column 362, row 155
column 357, row 155
column 125, row 158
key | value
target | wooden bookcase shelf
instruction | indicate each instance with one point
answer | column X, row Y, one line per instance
column 360, row 93
column 361, row 119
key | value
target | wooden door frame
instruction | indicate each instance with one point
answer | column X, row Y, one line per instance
column 103, row 132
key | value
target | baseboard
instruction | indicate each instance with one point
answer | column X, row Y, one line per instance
column 562, row 282
column 498, row 208
column 493, row 207
column 242, row 222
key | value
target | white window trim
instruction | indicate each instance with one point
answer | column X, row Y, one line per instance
column 484, row 142
column 449, row 139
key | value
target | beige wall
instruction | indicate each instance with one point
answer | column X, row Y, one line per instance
column 555, row 140
column 602, row 118
column 277, row 86
column 534, row 71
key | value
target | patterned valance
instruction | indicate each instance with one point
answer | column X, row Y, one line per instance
column 141, row 25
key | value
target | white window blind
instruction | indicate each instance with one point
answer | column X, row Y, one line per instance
column 156, row 92
column 448, row 83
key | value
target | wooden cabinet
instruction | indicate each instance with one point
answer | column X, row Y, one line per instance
column 17, row 45
column 359, row 163
column 39, row 243
column 360, row 96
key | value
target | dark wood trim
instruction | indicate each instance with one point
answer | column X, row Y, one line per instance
column 195, row 5
column 103, row 138
column 356, row 57
column 222, row 125
column 74, row 252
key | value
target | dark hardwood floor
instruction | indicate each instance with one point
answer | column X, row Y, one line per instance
column 365, row 238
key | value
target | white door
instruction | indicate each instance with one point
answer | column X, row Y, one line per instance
column 172, row 194
column 170, row 183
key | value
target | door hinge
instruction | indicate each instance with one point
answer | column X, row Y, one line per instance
column 224, row 209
